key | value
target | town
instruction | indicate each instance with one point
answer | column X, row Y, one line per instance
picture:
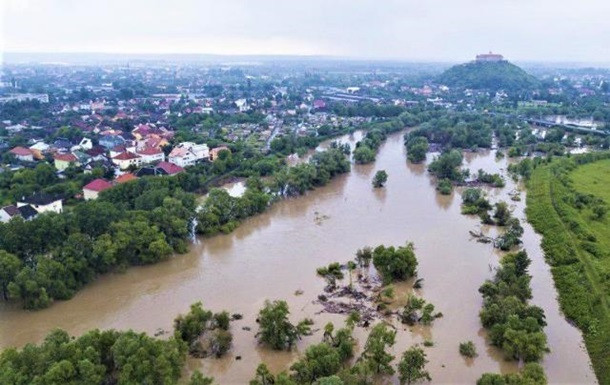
column 118, row 122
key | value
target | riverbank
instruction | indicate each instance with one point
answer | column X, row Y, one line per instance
column 576, row 247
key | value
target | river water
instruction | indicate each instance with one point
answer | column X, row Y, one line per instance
column 273, row 255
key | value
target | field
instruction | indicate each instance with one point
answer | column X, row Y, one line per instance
column 561, row 199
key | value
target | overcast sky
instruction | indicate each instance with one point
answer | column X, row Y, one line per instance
column 446, row 30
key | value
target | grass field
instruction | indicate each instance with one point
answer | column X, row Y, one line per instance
column 576, row 245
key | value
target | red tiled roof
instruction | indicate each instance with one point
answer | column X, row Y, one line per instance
column 98, row 185
column 21, row 151
column 126, row 178
column 170, row 168
column 149, row 151
column 66, row 157
column 126, row 156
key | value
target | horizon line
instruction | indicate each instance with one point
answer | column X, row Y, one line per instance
column 280, row 55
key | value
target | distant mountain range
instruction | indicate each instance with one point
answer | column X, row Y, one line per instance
column 490, row 75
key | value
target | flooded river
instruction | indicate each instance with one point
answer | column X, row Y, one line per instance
column 275, row 254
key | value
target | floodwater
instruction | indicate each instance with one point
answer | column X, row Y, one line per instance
column 273, row 255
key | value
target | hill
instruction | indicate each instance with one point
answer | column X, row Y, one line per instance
column 496, row 75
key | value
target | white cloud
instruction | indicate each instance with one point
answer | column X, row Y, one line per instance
column 407, row 29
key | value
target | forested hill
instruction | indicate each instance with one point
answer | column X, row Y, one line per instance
column 500, row 75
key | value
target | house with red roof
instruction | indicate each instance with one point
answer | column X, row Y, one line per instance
column 126, row 159
column 23, row 154
column 63, row 161
column 170, row 168
column 151, row 155
column 124, row 178
column 93, row 188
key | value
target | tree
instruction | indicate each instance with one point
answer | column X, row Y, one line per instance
column 364, row 154
column 411, row 366
column 380, row 178
column 502, row 213
column 276, row 330
column 198, row 379
column 190, row 326
column 467, row 349
column 364, row 256
column 417, row 146
column 9, row 267
column 321, row 360
column 374, row 354
column 395, row 264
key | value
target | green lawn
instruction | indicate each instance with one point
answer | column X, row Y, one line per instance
column 577, row 246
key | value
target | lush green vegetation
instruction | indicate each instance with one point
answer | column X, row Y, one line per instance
column 132, row 224
column 380, row 178
column 276, row 330
column 418, row 311
column 561, row 204
column 452, row 130
column 514, row 326
column 417, row 147
column 331, row 361
column 531, row 374
column 467, row 349
column 488, row 75
column 446, row 168
column 97, row 357
column 495, row 180
column 395, row 263
column 204, row 333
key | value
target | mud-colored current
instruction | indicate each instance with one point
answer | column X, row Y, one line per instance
column 272, row 255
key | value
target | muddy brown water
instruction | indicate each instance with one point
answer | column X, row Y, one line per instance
column 272, row 255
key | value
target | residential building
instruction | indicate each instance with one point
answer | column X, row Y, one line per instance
column 63, row 161
column 42, row 203
column 188, row 153
column 8, row 212
column 124, row 178
column 151, row 155
column 23, row 154
column 92, row 189
column 126, row 159
column 170, row 168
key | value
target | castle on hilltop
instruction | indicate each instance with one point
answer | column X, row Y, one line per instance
column 489, row 57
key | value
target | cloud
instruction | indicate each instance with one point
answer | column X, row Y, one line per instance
column 407, row 29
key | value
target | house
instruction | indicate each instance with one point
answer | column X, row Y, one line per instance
column 170, row 168
column 188, row 153
column 215, row 151
column 242, row 105
column 62, row 144
column 92, row 189
column 124, row 178
column 23, row 154
column 38, row 149
column 111, row 141
column 8, row 212
column 151, row 155
column 42, row 203
column 84, row 145
column 63, row 161
column 126, row 159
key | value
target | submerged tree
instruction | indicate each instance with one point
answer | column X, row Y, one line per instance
column 375, row 354
column 411, row 367
column 380, row 178
column 275, row 328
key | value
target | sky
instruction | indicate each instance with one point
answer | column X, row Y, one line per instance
column 418, row 30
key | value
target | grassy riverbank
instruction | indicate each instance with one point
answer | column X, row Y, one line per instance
column 561, row 199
